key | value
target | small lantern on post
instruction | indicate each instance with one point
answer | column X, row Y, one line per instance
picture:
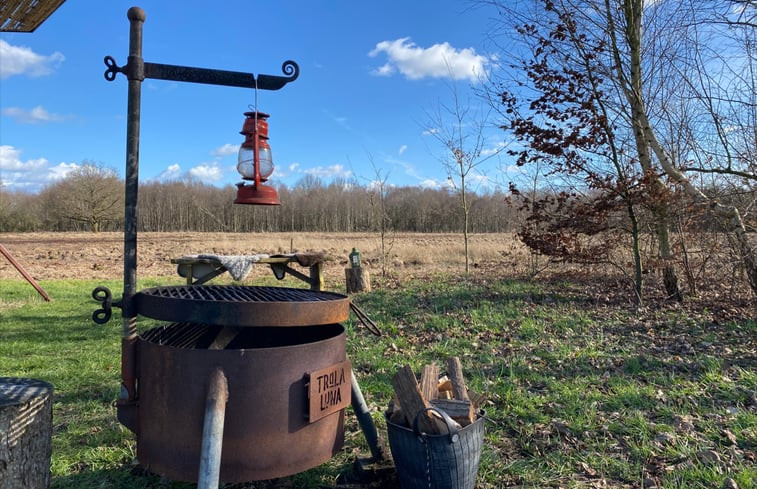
column 355, row 258
column 255, row 163
column 358, row 278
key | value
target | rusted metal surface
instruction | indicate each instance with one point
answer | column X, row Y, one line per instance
column 242, row 306
column 267, row 433
column 329, row 390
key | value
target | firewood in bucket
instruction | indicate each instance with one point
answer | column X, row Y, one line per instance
column 430, row 381
column 412, row 402
column 459, row 389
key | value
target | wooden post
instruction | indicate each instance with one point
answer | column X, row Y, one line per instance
column 26, row 426
column 316, row 276
column 358, row 280
column 212, row 431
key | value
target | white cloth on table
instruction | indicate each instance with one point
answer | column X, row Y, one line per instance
column 238, row 266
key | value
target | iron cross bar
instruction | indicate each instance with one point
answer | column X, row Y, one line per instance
column 136, row 69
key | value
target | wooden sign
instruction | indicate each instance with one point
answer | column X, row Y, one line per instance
column 329, row 390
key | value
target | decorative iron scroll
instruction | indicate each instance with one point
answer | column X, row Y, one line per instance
column 137, row 70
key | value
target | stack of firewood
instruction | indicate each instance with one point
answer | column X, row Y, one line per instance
column 448, row 393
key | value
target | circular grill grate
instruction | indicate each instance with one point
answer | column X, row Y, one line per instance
column 242, row 306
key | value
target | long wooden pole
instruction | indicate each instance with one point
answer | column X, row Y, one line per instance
column 23, row 272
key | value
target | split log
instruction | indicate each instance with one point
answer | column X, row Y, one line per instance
column 412, row 402
column 358, row 280
column 445, row 394
column 445, row 388
column 455, row 373
column 459, row 389
column 26, row 422
column 459, row 411
column 430, row 382
column 224, row 337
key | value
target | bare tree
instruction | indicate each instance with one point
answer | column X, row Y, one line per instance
column 460, row 128
column 636, row 48
column 557, row 107
column 632, row 85
column 378, row 190
column 91, row 194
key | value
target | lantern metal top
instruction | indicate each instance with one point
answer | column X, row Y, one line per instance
column 25, row 15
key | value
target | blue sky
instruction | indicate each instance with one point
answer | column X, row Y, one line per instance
column 370, row 73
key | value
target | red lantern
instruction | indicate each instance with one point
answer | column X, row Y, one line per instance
column 255, row 163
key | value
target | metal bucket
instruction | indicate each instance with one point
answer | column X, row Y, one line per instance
column 446, row 461
column 267, row 433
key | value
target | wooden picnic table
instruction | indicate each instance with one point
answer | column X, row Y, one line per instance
column 199, row 269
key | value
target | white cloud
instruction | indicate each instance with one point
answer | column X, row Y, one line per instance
column 61, row 171
column 431, row 183
column 18, row 60
column 10, row 160
column 206, row 173
column 173, row 172
column 29, row 175
column 431, row 132
column 437, row 61
column 36, row 115
column 279, row 172
column 402, row 149
column 332, row 171
column 225, row 150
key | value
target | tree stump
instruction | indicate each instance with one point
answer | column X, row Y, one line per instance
column 358, row 280
column 26, row 425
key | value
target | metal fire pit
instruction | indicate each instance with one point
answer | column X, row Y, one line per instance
column 267, row 431
column 243, row 383
column 242, row 306
column 268, row 342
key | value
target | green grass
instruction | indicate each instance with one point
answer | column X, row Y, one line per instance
column 578, row 396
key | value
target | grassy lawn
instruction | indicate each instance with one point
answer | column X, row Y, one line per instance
column 581, row 393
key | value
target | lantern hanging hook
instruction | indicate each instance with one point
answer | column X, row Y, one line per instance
column 254, row 107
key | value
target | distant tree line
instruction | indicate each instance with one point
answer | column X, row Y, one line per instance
column 91, row 199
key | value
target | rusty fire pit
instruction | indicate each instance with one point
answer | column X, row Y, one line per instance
column 265, row 367
column 267, row 431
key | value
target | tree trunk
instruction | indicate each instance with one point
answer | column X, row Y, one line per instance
column 358, row 280
column 642, row 133
column 466, row 214
column 669, row 276
column 26, row 413
column 638, row 269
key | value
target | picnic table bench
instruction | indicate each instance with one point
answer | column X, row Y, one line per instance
column 199, row 269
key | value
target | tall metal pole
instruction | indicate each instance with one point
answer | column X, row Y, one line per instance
column 135, row 74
